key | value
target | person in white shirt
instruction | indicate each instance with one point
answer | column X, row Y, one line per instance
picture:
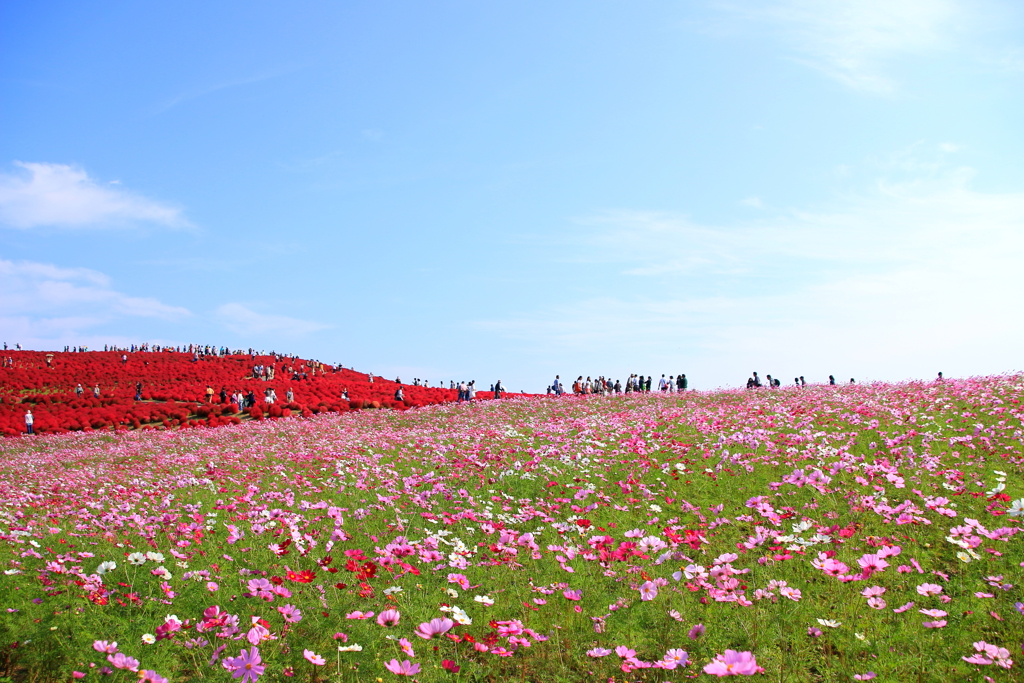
column 29, row 421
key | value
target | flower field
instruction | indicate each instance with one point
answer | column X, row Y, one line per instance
column 824, row 534
column 173, row 390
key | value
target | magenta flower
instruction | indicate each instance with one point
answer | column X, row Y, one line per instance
column 122, row 661
column 105, row 647
column 674, row 658
column 247, row 665
column 696, row 632
column 599, row 652
column 934, row 624
column 359, row 615
column 388, row 617
column 625, row 652
column 405, row 668
column 814, row 632
column 459, row 579
column 313, row 658
column 406, row 647
column 648, row 590
column 290, row 613
column 903, row 608
column 572, row 595
column 864, row 676
column 434, row 627
column 732, row 663
column 150, row 676
column 927, row 589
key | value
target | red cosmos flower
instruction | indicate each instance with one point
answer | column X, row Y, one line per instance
column 305, row 576
column 341, row 586
column 276, row 580
column 449, row 665
column 584, row 523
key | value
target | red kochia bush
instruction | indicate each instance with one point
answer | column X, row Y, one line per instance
column 174, row 390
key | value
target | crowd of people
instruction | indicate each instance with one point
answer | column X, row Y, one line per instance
column 633, row 384
column 755, row 382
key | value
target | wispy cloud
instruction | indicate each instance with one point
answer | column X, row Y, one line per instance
column 44, row 306
column 60, row 195
column 852, row 41
column 198, row 92
column 894, row 281
column 244, row 320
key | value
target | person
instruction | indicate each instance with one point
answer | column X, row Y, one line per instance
column 684, row 384
column 124, row 359
column 209, row 394
column 939, row 378
column 79, row 390
column 851, row 381
column 831, row 380
column 803, row 382
column 771, row 383
column 757, row 380
column 399, row 396
column 662, row 383
column 223, row 395
column 471, row 390
column 750, row 383
column 796, row 381
column 344, row 393
column 138, row 391
column 648, row 387
column 290, row 395
column 618, row 387
column 96, row 391
column 556, row 386
column 29, row 420
column 498, row 389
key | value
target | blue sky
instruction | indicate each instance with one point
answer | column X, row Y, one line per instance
column 460, row 190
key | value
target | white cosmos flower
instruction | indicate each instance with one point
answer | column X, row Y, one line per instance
column 484, row 600
column 105, row 567
column 830, row 623
column 137, row 559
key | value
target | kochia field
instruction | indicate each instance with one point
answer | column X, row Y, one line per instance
column 816, row 534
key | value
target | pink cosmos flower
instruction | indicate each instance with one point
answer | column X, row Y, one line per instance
column 434, row 627
column 873, row 592
column 598, row 652
column 927, row 589
column 122, row 661
column 572, row 595
column 814, row 632
column 388, row 617
column 674, row 658
column 876, row 603
column 405, row 668
column 78, row 674
column 933, row 613
column 934, row 624
column 150, row 676
column 290, row 613
column 247, row 665
column 903, row 608
column 864, row 676
column 625, row 652
column 313, row 658
column 732, row 663
column 648, row 591
column 460, row 579
column 696, row 632
column 359, row 615
column 406, row 647
column 105, row 647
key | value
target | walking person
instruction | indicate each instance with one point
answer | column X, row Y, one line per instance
column 498, row 389
column 138, row 391
column 79, row 390
column 29, row 421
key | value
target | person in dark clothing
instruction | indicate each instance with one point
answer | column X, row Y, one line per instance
column 831, row 380
column 138, row 391
column 802, row 382
column 684, row 383
column 498, row 389
column 223, row 395
column 757, row 380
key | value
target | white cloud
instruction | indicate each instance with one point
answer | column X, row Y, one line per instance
column 45, row 306
column 243, row 320
column 61, row 195
column 903, row 279
column 852, row 40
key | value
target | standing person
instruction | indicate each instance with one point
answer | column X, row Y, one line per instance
column 648, row 387
column 96, row 391
column 802, row 381
column 831, row 380
column 556, row 386
column 290, row 395
column 138, row 391
column 471, row 390
column 757, row 380
column 209, row 394
column 79, row 390
column 399, row 396
column 498, row 389
column 684, row 384
column 223, row 395
column 29, row 421
column 939, row 378
column 662, row 383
